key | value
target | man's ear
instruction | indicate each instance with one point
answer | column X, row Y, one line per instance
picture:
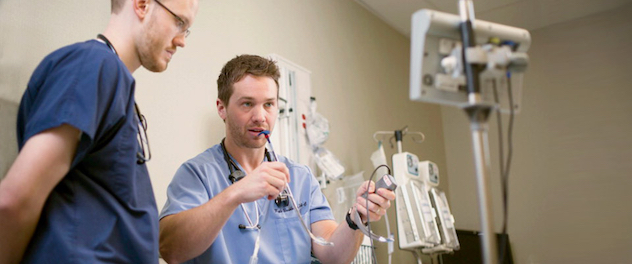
column 141, row 8
column 221, row 109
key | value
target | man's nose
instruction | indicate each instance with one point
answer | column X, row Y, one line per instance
column 259, row 114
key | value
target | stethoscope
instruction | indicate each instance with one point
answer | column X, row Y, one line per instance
column 141, row 156
column 237, row 174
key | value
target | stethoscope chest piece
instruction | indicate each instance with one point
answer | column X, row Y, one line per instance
column 282, row 200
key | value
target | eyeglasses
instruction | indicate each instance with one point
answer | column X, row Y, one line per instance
column 141, row 155
column 182, row 26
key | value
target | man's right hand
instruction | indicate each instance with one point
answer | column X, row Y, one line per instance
column 268, row 179
column 181, row 237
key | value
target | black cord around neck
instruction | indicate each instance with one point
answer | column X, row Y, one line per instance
column 231, row 166
column 107, row 42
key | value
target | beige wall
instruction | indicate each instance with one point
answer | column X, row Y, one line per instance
column 570, row 198
column 359, row 75
column 8, row 144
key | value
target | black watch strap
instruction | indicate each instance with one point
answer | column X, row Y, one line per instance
column 350, row 222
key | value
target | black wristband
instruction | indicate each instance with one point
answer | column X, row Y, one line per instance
column 350, row 222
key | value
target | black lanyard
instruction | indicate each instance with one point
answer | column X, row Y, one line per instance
column 107, row 42
column 140, row 156
column 235, row 173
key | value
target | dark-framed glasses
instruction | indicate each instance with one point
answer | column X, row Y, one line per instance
column 182, row 26
column 144, row 153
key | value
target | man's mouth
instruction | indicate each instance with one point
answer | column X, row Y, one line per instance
column 170, row 53
column 256, row 130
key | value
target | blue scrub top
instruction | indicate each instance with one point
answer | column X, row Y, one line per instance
column 104, row 209
column 283, row 239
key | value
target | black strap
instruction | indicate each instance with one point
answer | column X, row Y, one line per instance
column 107, row 42
column 350, row 222
column 235, row 173
column 228, row 160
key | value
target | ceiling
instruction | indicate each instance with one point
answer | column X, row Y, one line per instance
column 527, row 14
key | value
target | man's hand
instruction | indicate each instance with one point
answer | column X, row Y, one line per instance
column 40, row 166
column 378, row 202
column 189, row 233
column 266, row 180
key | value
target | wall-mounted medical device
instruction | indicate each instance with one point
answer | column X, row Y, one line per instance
column 449, row 239
column 416, row 224
column 436, row 70
column 474, row 65
column 424, row 220
column 289, row 137
column 429, row 173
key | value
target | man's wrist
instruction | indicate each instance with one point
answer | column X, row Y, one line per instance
column 351, row 216
column 350, row 222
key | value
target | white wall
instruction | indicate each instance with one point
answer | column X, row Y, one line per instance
column 570, row 199
column 359, row 75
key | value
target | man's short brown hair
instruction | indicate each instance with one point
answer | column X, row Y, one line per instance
column 242, row 65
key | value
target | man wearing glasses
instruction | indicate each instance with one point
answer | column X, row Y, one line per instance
column 221, row 202
column 79, row 191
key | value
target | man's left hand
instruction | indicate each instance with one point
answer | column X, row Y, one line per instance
column 379, row 201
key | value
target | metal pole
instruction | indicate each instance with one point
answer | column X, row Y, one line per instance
column 478, row 124
column 399, row 136
column 478, row 112
column 418, row 256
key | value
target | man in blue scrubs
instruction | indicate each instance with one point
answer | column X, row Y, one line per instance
column 210, row 217
column 79, row 191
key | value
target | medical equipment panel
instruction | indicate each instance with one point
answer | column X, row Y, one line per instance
column 415, row 216
column 446, row 219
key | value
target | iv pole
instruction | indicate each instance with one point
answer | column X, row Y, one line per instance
column 478, row 113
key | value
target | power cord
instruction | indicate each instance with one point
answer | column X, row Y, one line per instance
column 504, row 171
column 368, row 219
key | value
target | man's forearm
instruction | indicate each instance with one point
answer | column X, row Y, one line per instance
column 188, row 234
column 42, row 163
column 346, row 242
column 16, row 230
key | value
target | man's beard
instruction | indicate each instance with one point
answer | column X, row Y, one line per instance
column 241, row 136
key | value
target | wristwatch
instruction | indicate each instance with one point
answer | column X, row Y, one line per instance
column 350, row 222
